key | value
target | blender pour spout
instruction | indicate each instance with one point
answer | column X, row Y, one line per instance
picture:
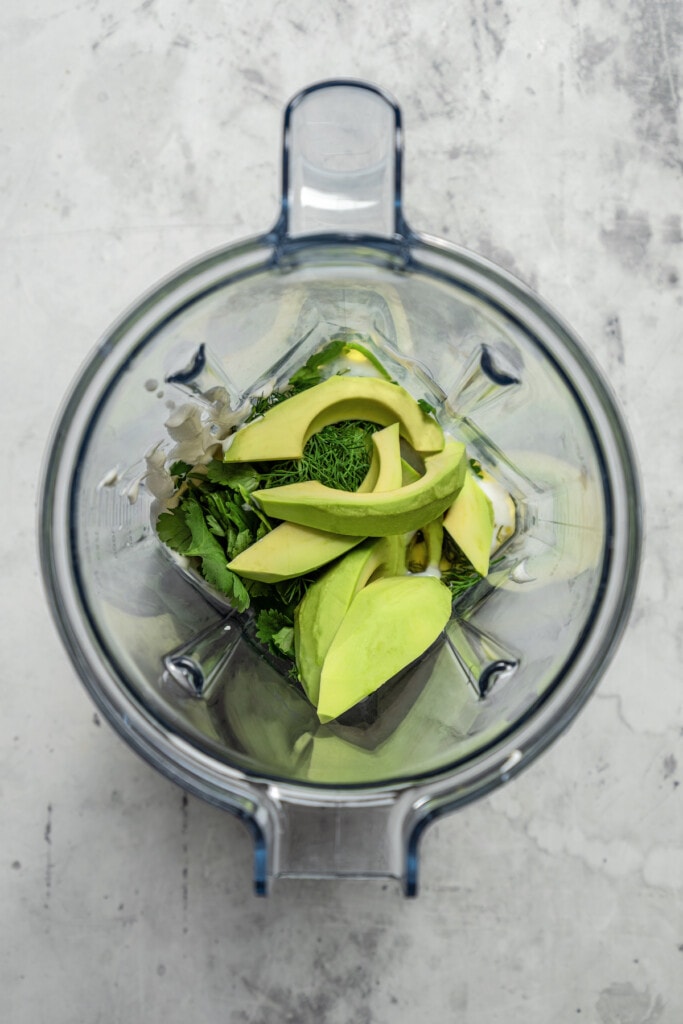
column 341, row 162
column 372, row 836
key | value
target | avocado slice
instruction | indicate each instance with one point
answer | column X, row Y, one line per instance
column 408, row 473
column 290, row 550
column 370, row 478
column 387, row 444
column 433, row 535
column 390, row 623
column 469, row 521
column 373, row 514
column 284, row 429
column 386, row 451
column 325, row 603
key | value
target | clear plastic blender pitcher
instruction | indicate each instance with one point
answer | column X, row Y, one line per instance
column 180, row 675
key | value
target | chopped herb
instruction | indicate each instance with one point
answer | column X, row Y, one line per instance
column 475, row 466
column 338, row 456
column 426, row 407
column 204, row 545
column 214, row 522
column 291, row 592
column 233, row 474
column 174, row 531
column 460, row 577
column 262, row 404
column 180, row 469
column 283, row 640
column 308, row 375
column 275, row 629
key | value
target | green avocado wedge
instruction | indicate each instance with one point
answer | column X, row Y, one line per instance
column 433, row 535
column 372, row 514
column 408, row 474
column 290, row 550
column 326, row 602
column 370, row 478
column 284, row 429
column 390, row 623
column 387, row 444
column 386, row 465
column 469, row 521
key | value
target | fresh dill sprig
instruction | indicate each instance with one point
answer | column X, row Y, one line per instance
column 261, row 404
column 461, row 576
column 291, row 592
column 338, row 456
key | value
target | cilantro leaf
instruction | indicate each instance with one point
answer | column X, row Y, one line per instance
column 233, row 475
column 275, row 629
column 284, row 640
column 225, row 511
column 180, row 469
column 214, row 525
column 174, row 531
column 240, row 593
column 308, row 375
column 263, row 527
column 262, row 404
column 268, row 621
column 305, row 377
column 205, row 546
column 239, row 543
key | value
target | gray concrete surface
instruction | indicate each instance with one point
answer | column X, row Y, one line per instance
column 134, row 136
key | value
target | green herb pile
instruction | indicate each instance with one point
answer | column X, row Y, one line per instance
column 214, row 520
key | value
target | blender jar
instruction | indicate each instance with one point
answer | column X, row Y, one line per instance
column 180, row 675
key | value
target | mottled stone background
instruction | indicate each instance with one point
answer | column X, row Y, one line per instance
column 134, row 136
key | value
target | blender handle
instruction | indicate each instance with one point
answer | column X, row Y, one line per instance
column 372, row 837
column 341, row 162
